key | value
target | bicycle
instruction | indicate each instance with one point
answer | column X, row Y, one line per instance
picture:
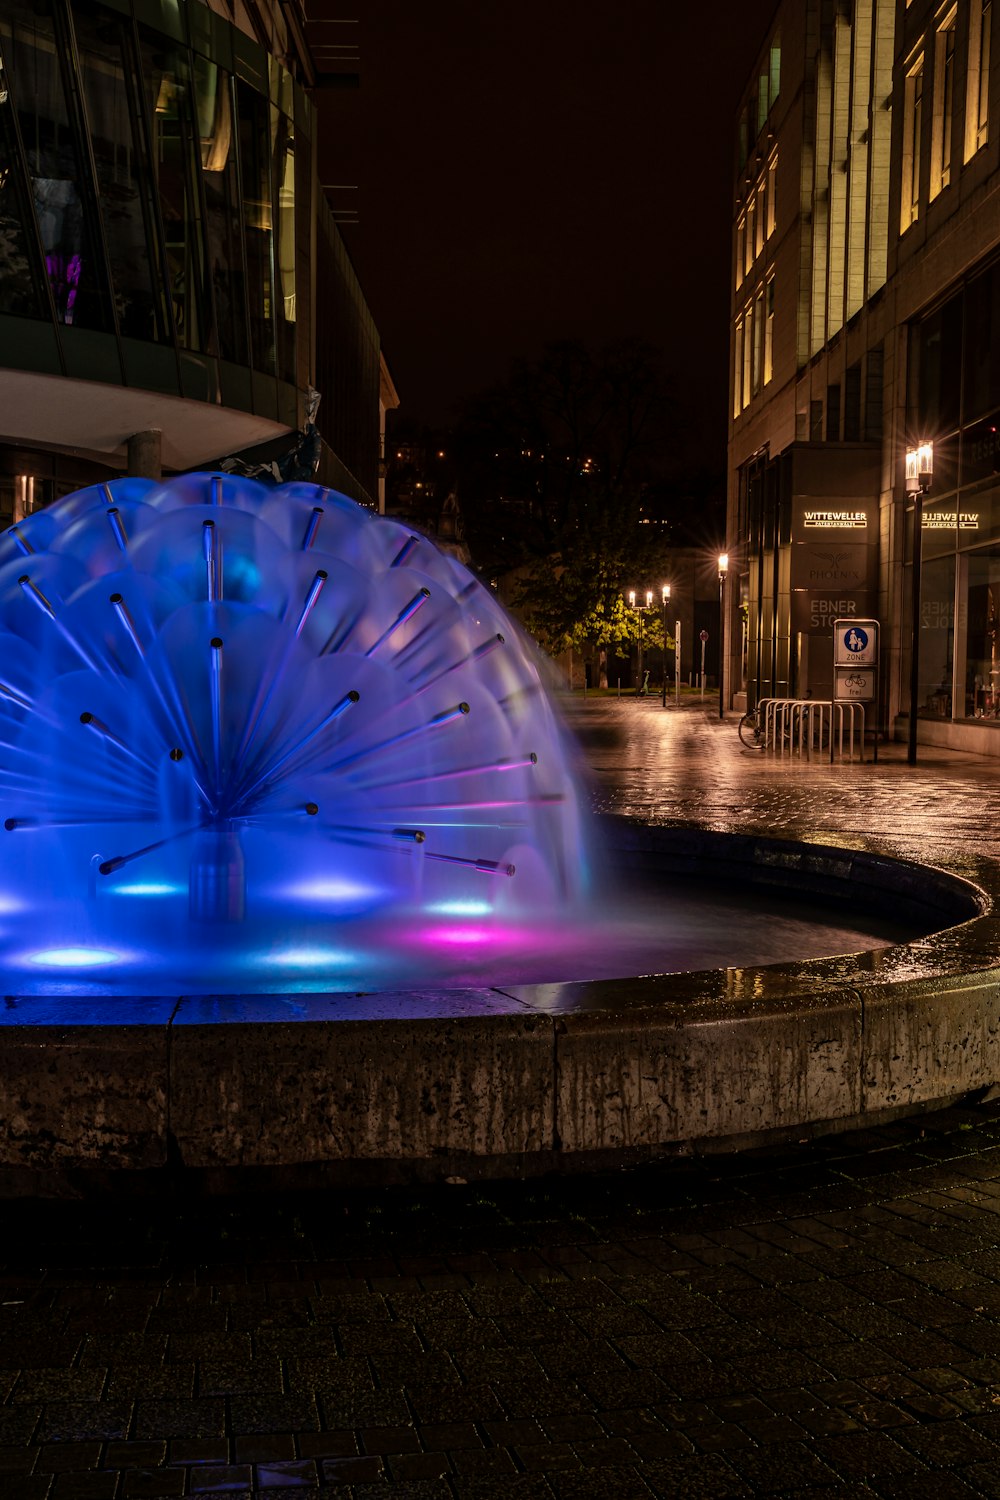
column 751, row 729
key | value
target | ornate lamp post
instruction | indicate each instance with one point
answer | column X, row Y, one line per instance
column 919, row 472
column 640, row 610
column 723, row 570
column 666, row 603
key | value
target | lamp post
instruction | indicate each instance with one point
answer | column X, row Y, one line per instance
column 640, row 610
column 665, row 601
column 723, row 570
column 919, row 472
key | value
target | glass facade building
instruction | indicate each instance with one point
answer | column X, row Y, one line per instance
column 162, row 231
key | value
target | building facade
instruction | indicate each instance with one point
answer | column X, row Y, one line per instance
column 864, row 241
column 172, row 281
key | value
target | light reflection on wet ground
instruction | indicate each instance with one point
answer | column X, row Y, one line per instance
column 686, row 766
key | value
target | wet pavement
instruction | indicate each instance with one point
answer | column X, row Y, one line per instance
column 814, row 1319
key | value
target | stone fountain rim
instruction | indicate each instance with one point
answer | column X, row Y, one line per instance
column 231, row 1090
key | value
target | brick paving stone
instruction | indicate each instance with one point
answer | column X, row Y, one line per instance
column 949, row 1443
column 76, row 1422
column 100, row 1485
column 258, row 1414
column 611, row 1483
column 708, row 1477
column 220, row 1479
column 179, row 1419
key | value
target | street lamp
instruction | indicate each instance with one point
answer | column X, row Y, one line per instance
column 919, row 472
column 640, row 610
column 666, row 602
column 723, row 570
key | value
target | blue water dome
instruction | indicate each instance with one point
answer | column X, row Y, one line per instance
column 258, row 738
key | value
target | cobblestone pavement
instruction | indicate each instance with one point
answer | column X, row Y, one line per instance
column 820, row 1319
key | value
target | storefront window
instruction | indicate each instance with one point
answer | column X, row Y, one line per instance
column 940, row 377
column 123, row 173
column 214, row 101
column 937, row 620
column 283, row 177
column 982, row 656
column 254, row 135
column 165, row 75
column 19, row 293
column 34, row 57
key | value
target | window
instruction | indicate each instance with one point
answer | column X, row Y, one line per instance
column 944, row 92
column 977, row 95
column 775, row 65
column 772, row 180
column 747, row 340
column 741, row 232
column 762, row 101
column 909, row 206
column 738, row 369
column 759, row 219
column 758, row 341
column 769, row 330
column 748, row 242
column 833, row 413
column 852, row 403
column 873, row 395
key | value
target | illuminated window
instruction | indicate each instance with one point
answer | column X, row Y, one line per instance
column 909, row 193
column 762, row 101
column 769, row 330
column 741, row 231
column 747, row 341
column 977, row 96
column 760, row 218
column 751, row 232
column 772, row 182
column 944, row 94
column 758, row 342
column 775, row 68
column 25, row 500
column 738, row 369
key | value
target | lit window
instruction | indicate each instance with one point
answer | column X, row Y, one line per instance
column 762, row 101
column 24, row 496
column 775, row 64
column 772, row 183
column 760, row 219
column 977, row 97
column 738, row 369
column 769, row 330
column 741, row 230
column 747, row 340
column 758, row 342
column 944, row 96
column 909, row 193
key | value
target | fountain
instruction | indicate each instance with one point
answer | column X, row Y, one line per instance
column 258, row 738
column 296, row 872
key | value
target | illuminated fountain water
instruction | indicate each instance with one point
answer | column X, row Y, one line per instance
column 259, row 739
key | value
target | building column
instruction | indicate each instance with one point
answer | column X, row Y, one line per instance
column 144, row 454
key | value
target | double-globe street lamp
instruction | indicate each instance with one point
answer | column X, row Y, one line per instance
column 723, row 570
column 640, row 610
column 666, row 601
column 919, row 472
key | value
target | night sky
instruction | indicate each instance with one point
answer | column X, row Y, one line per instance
column 541, row 169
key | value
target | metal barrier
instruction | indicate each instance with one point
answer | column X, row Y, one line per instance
column 808, row 724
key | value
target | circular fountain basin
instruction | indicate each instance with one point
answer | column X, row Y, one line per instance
column 502, row 1078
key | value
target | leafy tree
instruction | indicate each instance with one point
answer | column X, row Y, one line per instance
column 556, row 465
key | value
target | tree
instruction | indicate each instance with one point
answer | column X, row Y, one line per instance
column 554, row 465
